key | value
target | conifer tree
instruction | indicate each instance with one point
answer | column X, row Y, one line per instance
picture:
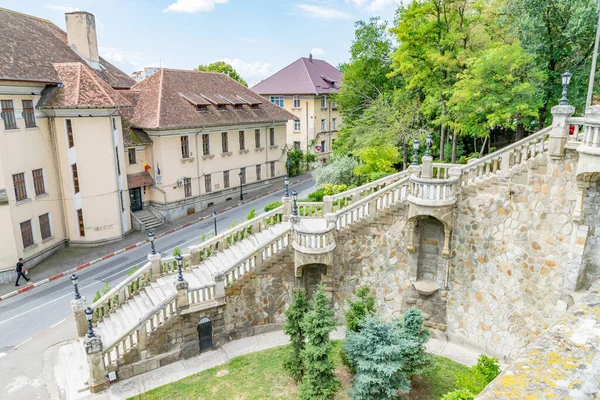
column 319, row 382
column 417, row 361
column 359, row 309
column 293, row 328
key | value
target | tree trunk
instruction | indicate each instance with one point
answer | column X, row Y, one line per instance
column 405, row 156
column 454, row 139
column 442, row 131
column 483, row 147
column 490, row 146
column 519, row 132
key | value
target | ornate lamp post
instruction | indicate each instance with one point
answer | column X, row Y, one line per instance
column 151, row 237
column 89, row 315
column 241, row 189
column 75, row 281
column 179, row 259
column 428, row 143
column 566, row 79
column 416, row 145
column 286, row 180
column 214, row 215
column 295, row 204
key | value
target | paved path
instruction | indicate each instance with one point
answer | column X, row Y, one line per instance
column 29, row 313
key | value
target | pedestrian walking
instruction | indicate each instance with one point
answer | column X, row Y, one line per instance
column 21, row 271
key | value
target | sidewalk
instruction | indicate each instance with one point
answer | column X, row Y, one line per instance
column 66, row 259
column 68, row 359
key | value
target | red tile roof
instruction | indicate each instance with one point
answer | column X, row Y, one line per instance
column 29, row 46
column 138, row 180
column 170, row 99
column 303, row 76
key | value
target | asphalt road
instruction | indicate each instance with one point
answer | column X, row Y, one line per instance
column 29, row 313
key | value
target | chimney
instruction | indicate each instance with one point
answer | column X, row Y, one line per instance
column 310, row 57
column 81, row 34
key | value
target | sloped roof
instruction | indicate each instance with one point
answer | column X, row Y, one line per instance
column 138, row 180
column 134, row 137
column 169, row 99
column 29, row 46
column 81, row 87
column 303, row 76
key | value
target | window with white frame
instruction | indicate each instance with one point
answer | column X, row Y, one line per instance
column 277, row 100
column 296, row 125
column 296, row 102
column 333, row 124
column 322, row 125
column 324, row 102
column 322, row 146
column 257, row 138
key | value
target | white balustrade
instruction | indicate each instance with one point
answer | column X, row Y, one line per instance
column 438, row 190
column 202, row 294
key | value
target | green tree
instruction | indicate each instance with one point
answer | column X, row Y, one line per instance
column 459, row 394
column 417, row 361
column 378, row 351
column 340, row 170
column 293, row 328
column 478, row 377
column 296, row 158
column 319, row 381
column 224, row 68
column 359, row 309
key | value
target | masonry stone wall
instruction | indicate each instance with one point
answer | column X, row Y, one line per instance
column 511, row 248
column 591, row 255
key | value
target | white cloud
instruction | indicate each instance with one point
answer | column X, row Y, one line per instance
column 251, row 72
column 64, row 9
column 193, row 6
column 323, row 12
column 374, row 5
column 317, row 52
column 122, row 58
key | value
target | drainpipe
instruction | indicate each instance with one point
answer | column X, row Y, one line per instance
column 198, row 167
column 51, row 122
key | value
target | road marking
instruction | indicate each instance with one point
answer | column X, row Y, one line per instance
column 58, row 323
column 19, row 345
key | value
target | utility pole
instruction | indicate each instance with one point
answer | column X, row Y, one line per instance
column 588, row 101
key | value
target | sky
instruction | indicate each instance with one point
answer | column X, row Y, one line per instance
column 258, row 37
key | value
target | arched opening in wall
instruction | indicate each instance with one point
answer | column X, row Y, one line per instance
column 312, row 275
column 205, row 338
column 429, row 237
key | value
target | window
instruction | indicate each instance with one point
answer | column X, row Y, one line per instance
column 322, row 125
column 277, row 100
column 45, row 230
column 202, row 108
column 238, row 106
column 222, row 107
column 272, row 136
column 70, row 133
column 38, row 181
column 208, row 183
column 258, row 172
column 296, row 145
column 185, row 147
column 324, row 102
column 333, row 124
column 205, row 144
column 225, row 179
column 333, row 104
column 80, row 221
column 28, row 114
column 296, row 125
column 243, row 175
column 27, row 234
column 242, row 140
column 272, row 169
column 132, row 156
column 8, row 114
column 224, row 142
column 257, row 138
column 117, row 159
column 187, row 187
column 20, row 188
column 296, row 101
column 322, row 146
column 75, row 178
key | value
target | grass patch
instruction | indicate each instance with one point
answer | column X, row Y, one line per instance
column 260, row 375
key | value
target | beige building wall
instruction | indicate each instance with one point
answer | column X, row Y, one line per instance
column 24, row 150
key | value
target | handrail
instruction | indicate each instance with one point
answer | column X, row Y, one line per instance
column 328, row 228
column 434, row 181
column 372, row 196
column 115, row 291
column 359, row 189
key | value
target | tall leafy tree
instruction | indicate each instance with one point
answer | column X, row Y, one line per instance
column 224, row 68
column 293, row 328
column 319, row 381
column 359, row 309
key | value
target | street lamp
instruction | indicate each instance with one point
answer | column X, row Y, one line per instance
column 428, row 143
column 179, row 259
column 214, row 215
column 241, row 190
column 295, row 206
column 89, row 315
column 566, row 79
column 416, row 145
column 74, row 281
column 151, row 238
column 286, row 180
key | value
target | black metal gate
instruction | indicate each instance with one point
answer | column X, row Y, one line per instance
column 205, row 334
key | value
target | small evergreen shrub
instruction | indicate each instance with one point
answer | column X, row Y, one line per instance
column 417, row 361
column 293, row 364
column 359, row 309
column 176, row 251
column 273, row 205
column 317, row 195
column 459, row 394
column 478, row 377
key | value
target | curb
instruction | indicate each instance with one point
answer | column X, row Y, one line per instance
column 133, row 246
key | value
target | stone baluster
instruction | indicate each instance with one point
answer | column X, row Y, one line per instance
column 220, row 286
column 287, row 208
column 182, row 300
column 156, row 266
column 560, row 130
column 78, row 306
column 98, row 380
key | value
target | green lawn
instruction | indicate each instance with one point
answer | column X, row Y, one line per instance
column 259, row 376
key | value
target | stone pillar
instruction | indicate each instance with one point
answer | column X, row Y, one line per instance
column 455, row 172
column 447, row 232
column 427, row 167
column 327, row 204
column 78, row 306
column 578, row 210
column 414, row 170
column 156, row 267
column 195, row 254
column 287, row 208
column 183, row 301
column 98, row 381
column 560, row 130
column 219, row 287
column 411, row 235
